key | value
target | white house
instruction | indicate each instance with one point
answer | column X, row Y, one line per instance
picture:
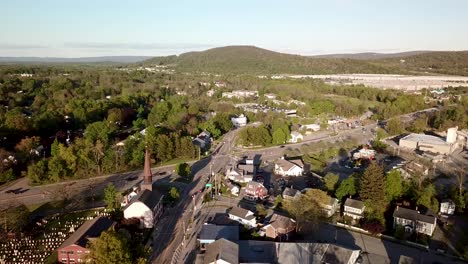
column 291, row 194
column 270, row 96
column 414, row 221
column 210, row 233
column 330, row 208
column 289, row 167
column 243, row 216
column 354, row 208
column 238, row 175
column 239, row 121
column 233, row 188
column 147, row 206
column 447, row 207
column 296, row 137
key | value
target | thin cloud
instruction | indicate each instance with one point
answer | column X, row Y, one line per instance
column 12, row 46
column 136, row 46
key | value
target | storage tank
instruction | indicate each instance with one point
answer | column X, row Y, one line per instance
column 452, row 135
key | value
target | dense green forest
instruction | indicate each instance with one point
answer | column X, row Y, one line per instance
column 253, row 60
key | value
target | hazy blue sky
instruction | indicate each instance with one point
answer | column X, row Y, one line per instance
column 103, row 27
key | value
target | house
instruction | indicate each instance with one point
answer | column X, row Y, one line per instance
column 210, row 233
column 256, row 251
column 291, row 194
column 73, row 250
column 313, row 127
column 240, row 121
column 222, row 251
column 414, row 221
column 203, row 140
column 354, row 208
column 289, row 167
column 210, row 93
column 330, row 208
column 296, row 137
column 240, row 94
column 270, row 96
column 279, row 227
column 243, row 216
column 220, row 84
column 238, row 175
column 233, row 188
column 447, row 207
column 256, row 190
column 147, row 205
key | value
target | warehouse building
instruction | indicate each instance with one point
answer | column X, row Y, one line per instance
column 433, row 144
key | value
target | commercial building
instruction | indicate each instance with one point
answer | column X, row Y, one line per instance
column 426, row 143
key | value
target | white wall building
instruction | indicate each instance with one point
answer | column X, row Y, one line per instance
column 354, row 208
column 447, row 207
column 296, row 137
column 240, row 121
column 243, row 216
column 289, row 167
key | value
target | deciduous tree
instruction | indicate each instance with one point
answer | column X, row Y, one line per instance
column 331, row 181
column 347, row 187
column 111, row 247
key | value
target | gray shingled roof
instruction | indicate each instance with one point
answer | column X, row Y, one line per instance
column 405, row 213
column 215, row 232
column 222, row 249
column 241, row 212
column 279, row 221
column 89, row 229
column 354, row 203
column 149, row 198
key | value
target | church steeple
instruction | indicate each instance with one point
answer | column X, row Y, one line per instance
column 147, row 175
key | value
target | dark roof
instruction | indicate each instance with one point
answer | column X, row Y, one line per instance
column 215, row 232
column 149, row 198
column 222, row 249
column 279, row 221
column 354, row 203
column 410, row 214
column 241, row 212
column 255, row 251
column 90, row 229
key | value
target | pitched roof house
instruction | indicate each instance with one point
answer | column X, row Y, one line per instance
column 243, row 216
column 203, row 140
column 354, row 208
column 238, row 175
column 147, row 205
column 210, row 233
column 289, row 167
column 279, row 227
column 73, row 250
column 296, row 137
column 291, row 194
column 222, row 251
column 414, row 221
column 256, row 190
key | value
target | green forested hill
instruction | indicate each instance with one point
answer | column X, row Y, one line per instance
column 253, row 60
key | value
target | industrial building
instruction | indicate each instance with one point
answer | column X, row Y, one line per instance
column 428, row 143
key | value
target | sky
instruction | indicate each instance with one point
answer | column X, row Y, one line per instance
column 65, row 28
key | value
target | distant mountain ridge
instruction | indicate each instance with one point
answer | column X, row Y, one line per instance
column 102, row 59
column 371, row 55
column 254, row 60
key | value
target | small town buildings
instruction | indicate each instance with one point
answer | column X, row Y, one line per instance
column 270, row 96
column 291, row 194
column 203, row 140
column 296, row 137
column 447, row 207
column 364, row 153
column 240, row 121
column 285, row 167
column 243, row 216
column 240, row 94
column 414, row 221
column 210, row 93
column 220, row 84
column 210, row 233
column 147, row 205
column 73, row 250
column 256, row 190
column 427, row 143
column 354, row 208
column 408, row 169
column 279, row 227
